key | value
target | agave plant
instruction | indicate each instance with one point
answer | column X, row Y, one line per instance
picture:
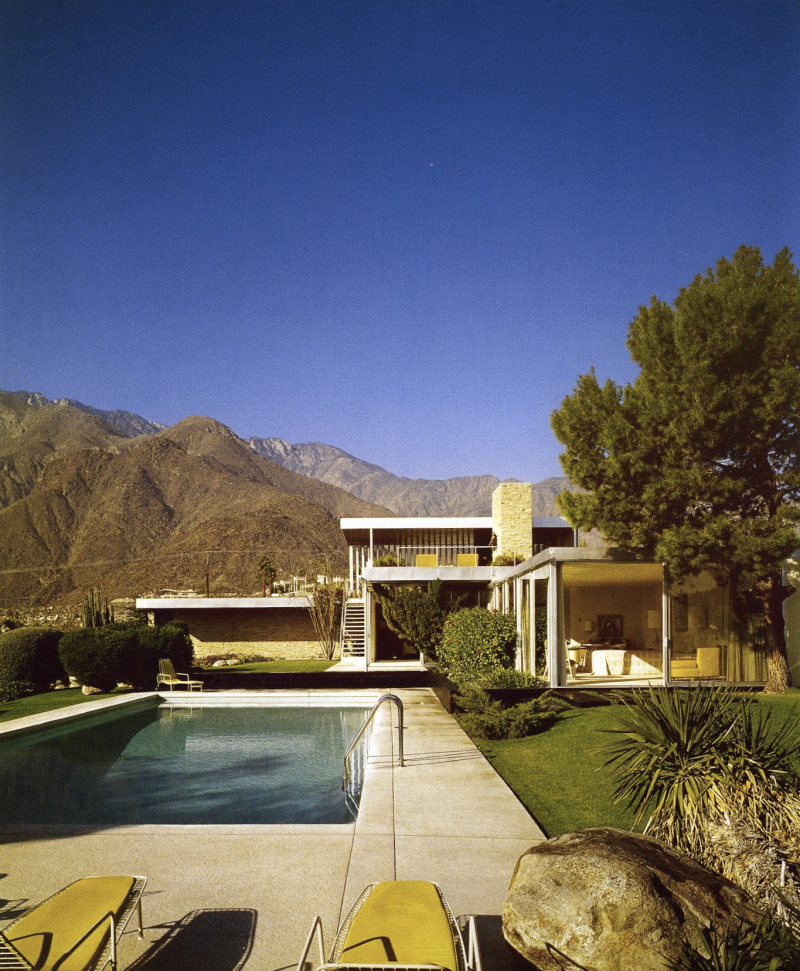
column 668, row 757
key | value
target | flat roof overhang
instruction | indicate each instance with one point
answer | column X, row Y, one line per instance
column 420, row 574
column 595, row 566
column 358, row 531
column 220, row 603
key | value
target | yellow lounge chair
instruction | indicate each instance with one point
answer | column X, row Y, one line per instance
column 399, row 924
column 706, row 664
column 168, row 675
column 467, row 559
column 426, row 559
column 76, row 929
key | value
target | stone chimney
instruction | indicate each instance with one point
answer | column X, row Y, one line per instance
column 512, row 519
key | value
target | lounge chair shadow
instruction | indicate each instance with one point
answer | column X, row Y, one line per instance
column 497, row 954
column 458, row 755
column 219, row 939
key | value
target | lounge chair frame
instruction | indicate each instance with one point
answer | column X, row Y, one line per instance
column 171, row 677
column 12, row 960
column 468, row 955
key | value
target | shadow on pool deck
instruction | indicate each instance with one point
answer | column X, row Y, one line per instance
column 221, row 898
column 219, row 939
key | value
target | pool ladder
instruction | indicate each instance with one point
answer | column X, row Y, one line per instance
column 348, row 775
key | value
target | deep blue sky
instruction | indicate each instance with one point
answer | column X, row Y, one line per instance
column 401, row 228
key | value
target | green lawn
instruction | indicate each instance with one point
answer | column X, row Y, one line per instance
column 558, row 774
column 559, row 777
column 48, row 701
column 282, row 667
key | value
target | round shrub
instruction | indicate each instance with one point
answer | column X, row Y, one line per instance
column 477, row 643
column 153, row 643
column 29, row 660
column 97, row 656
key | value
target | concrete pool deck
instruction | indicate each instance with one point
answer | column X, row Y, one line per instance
column 221, row 898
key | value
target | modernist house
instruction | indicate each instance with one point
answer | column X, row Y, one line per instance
column 585, row 615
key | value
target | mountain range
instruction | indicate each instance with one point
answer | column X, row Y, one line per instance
column 108, row 498
column 462, row 496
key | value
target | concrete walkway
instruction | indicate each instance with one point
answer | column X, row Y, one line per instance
column 221, row 898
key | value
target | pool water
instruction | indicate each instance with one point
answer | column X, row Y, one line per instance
column 169, row 764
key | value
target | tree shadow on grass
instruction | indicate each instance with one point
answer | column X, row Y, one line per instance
column 219, row 939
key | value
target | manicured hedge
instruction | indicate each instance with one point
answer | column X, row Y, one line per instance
column 124, row 653
column 477, row 644
column 28, row 661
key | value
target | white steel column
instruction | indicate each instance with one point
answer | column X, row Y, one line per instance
column 553, row 626
column 666, row 631
column 532, row 623
column 352, row 574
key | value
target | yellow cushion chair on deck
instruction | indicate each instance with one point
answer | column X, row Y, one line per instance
column 169, row 676
column 76, row 929
column 399, row 924
column 706, row 664
column 426, row 559
column 467, row 559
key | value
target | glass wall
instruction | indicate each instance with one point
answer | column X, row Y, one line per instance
column 715, row 632
column 613, row 622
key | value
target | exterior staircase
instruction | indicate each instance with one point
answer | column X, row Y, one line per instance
column 354, row 629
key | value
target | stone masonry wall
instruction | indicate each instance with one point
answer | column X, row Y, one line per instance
column 512, row 518
column 279, row 633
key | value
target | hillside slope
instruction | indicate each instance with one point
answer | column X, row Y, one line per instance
column 153, row 514
column 33, row 435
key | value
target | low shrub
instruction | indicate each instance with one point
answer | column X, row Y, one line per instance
column 511, row 678
column 484, row 718
column 14, row 690
column 759, row 942
column 97, row 656
column 476, row 644
column 28, row 660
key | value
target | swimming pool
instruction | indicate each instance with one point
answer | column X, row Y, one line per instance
column 192, row 765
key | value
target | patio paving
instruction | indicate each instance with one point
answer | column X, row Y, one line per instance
column 221, row 898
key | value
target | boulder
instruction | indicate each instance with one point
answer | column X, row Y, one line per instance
column 609, row 900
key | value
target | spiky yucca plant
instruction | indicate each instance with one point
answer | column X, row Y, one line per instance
column 678, row 754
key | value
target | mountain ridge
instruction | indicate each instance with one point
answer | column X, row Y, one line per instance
column 190, row 505
column 84, row 503
column 456, row 496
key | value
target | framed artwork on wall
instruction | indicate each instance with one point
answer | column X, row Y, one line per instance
column 609, row 625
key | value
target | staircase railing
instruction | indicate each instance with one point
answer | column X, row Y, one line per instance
column 347, row 775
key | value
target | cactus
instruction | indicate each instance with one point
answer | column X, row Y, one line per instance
column 96, row 609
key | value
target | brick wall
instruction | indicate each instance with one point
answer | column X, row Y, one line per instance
column 512, row 518
column 279, row 633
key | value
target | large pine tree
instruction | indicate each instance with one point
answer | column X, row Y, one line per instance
column 697, row 460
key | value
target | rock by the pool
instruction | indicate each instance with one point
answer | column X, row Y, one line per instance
column 609, row 900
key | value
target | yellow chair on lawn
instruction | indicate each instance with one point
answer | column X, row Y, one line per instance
column 399, row 924
column 77, row 929
column 168, row 675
